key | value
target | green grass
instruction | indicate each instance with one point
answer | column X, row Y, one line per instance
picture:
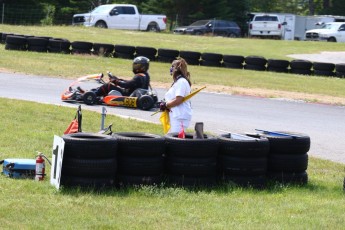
column 72, row 66
column 27, row 204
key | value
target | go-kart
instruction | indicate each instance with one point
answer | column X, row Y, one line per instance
column 141, row 98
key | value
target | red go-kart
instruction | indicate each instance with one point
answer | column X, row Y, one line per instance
column 141, row 98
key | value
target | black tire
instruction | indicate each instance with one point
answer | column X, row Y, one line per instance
column 90, row 98
column 59, row 46
column 340, row 67
column 192, row 181
column 16, row 40
column 101, row 24
column 324, row 66
column 287, row 163
column 324, row 73
column 242, row 166
column 300, row 178
column 202, row 166
column 124, row 49
column 153, row 27
column 134, row 144
column 81, row 51
column 168, row 53
column 189, row 147
column 127, row 180
column 332, row 39
column 257, row 182
column 146, row 51
column 210, row 63
column 277, row 69
column 233, row 65
column 14, row 47
column 80, row 45
column 4, row 37
column 340, row 74
column 297, row 144
column 87, row 182
column 145, row 102
column 89, row 146
column 255, row 148
column 254, row 67
column 301, row 64
column 165, row 59
column 123, row 55
column 89, row 167
column 301, row 71
column 190, row 55
column 276, row 63
column 191, row 61
column 233, row 59
column 37, row 41
column 212, row 57
column 41, row 49
column 137, row 166
column 255, row 60
column 102, row 49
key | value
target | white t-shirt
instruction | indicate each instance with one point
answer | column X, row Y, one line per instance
column 180, row 88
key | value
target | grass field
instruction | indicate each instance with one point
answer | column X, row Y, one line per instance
column 26, row 204
column 267, row 84
column 27, row 127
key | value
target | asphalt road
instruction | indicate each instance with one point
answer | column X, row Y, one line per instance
column 219, row 112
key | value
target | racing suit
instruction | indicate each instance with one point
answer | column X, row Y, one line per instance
column 125, row 87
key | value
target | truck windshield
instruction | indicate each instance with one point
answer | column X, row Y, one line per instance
column 102, row 9
column 330, row 26
column 266, row 18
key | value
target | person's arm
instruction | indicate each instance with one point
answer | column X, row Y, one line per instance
column 175, row 102
column 130, row 84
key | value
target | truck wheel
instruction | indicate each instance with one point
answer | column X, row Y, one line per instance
column 101, row 24
column 332, row 39
column 153, row 28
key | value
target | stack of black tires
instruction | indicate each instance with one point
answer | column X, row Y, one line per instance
column 131, row 158
column 140, row 158
column 288, row 157
column 243, row 159
column 89, row 160
column 190, row 161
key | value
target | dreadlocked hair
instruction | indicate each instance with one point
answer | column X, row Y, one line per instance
column 181, row 69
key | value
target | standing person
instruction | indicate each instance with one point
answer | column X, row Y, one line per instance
column 140, row 80
column 180, row 112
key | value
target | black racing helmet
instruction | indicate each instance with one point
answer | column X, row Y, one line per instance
column 141, row 64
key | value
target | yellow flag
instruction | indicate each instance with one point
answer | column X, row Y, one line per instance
column 165, row 120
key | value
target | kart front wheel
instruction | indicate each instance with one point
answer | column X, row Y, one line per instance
column 145, row 102
column 89, row 98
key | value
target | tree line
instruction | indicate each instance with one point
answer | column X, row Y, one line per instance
column 179, row 12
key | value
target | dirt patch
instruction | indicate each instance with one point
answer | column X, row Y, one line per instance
column 266, row 93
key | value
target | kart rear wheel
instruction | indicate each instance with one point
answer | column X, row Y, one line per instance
column 145, row 102
column 89, row 98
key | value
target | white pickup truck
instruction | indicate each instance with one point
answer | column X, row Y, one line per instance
column 265, row 25
column 120, row 16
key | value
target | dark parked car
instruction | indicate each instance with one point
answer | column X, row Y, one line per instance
column 215, row 27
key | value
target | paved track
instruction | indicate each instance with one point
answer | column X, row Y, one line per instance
column 323, row 123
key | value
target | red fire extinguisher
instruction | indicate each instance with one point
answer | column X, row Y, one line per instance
column 40, row 167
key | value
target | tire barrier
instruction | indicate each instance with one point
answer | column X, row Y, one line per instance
column 243, row 160
column 140, row 158
column 191, row 162
column 38, row 44
column 90, row 160
column 288, row 157
column 132, row 158
column 256, row 63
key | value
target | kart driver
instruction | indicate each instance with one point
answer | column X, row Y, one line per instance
column 140, row 80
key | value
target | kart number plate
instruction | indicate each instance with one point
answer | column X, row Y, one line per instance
column 130, row 102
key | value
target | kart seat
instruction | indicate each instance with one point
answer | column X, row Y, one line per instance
column 139, row 92
column 115, row 93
